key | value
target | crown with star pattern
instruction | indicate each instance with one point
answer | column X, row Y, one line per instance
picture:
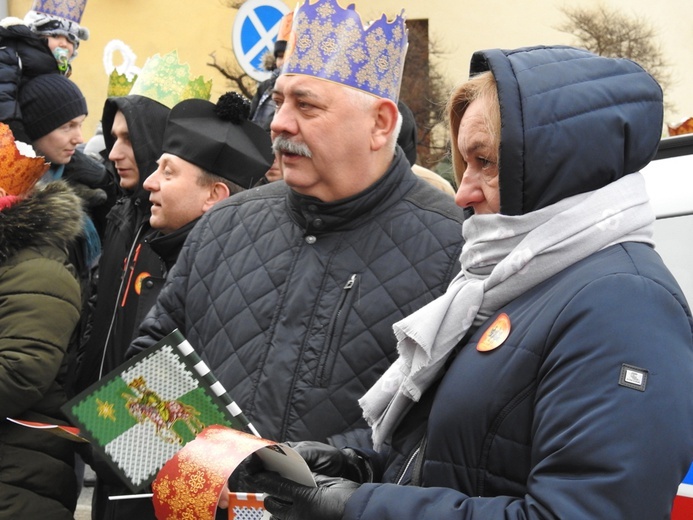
column 332, row 43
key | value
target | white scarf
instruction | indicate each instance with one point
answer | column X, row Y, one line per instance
column 503, row 257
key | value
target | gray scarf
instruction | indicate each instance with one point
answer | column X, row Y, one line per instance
column 503, row 257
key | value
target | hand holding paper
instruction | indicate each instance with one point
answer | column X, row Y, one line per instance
column 192, row 482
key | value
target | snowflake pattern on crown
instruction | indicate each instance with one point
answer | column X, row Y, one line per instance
column 331, row 43
column 69, row 9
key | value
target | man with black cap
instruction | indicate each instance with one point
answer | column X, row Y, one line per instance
column 209, row 153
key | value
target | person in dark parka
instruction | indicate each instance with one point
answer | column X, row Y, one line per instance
column 39, row 309
column 552, row 378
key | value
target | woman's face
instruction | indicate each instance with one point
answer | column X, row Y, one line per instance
column 479, row 187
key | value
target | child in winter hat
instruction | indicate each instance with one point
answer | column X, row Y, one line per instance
column 58, row 18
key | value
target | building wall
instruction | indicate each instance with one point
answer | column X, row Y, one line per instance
column 198, row 28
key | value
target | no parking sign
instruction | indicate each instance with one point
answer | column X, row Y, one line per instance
column 254, row 32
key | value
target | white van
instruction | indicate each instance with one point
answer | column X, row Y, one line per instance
column 669, row 180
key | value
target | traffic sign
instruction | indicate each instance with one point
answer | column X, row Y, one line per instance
column 254, row 32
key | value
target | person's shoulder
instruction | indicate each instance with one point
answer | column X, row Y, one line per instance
column 434, row 179
column 12, row 27
column 245, row 205
column 628, row 264
column 255, row 196
column 425, row 197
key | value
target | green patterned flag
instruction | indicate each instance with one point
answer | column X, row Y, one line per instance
column 141, row 414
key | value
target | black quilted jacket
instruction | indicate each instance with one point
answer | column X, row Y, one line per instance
column 291, row 300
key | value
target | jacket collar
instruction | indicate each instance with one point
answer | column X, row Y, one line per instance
column 167, row 246
column 318, row 217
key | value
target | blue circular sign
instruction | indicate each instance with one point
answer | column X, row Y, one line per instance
column 254, row 32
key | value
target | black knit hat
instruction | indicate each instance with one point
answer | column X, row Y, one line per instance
column 219, row 138
column 49, row 101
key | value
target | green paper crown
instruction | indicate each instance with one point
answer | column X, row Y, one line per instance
column 119, row 84
column 166, row 80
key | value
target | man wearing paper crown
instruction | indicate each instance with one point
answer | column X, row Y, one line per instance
column 40, row 307
column 289, row 291
column 45, row 42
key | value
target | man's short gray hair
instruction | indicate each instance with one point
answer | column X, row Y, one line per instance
column 364, row 101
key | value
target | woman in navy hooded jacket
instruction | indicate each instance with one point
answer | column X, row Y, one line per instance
column 552, row 379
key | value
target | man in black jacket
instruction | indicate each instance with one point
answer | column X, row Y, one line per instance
column 289, row 291
column 209, row 153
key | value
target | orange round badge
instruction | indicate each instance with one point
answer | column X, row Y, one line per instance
column 495, row 335
column 138, row 281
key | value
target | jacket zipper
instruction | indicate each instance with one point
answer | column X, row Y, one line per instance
column 416, row 458
column 335, row 330
column 133, row 248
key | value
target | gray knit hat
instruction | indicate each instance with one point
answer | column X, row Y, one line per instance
column 48, row 102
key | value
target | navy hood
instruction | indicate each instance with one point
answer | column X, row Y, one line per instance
column 571, row 122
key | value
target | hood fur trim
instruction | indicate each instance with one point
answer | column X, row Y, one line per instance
column 48, row 215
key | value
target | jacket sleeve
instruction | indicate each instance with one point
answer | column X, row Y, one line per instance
column 10, row 76
column 601, row 448
column 40, row 305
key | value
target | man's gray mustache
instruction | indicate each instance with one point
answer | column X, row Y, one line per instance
column 282, row 144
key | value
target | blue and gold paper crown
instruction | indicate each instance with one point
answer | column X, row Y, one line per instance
column 69, row 9
column 331, row 43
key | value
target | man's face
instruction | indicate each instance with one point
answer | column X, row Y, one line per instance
column 479, row 188
column 175, row 193
column 320, row 137
column 122, row 155
column 58, row 146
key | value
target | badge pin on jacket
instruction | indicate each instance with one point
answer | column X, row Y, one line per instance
column 495, row 335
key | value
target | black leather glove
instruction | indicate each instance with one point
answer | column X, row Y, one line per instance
column 240, row 479
column 328, row 460
column 289, row 500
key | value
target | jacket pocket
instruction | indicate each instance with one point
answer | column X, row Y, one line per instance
column 333, row 337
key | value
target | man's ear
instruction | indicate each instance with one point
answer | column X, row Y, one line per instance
column 385, row 122
column 217, row 193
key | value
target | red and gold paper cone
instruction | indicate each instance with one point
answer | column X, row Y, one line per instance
column 18, row 173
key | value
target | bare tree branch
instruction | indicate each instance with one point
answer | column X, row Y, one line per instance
column 240, row 80
column 424, row 90
column 608, row 32
column 232, row 4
